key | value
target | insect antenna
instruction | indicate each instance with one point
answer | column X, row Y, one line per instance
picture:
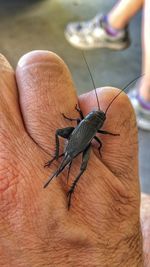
column 127, row 86
column 91, row 78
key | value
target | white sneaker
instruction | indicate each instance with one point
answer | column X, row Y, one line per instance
column 142, row 114
column 92, row 34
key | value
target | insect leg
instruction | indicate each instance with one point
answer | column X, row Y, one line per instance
column 70, row 119
column 65, row 133
column 69, row 171
column 64, row 163
column 105, row 132
column 48, row 163
column 80, row 112
column 100, row 145
column 85, row 158
column 78, row 119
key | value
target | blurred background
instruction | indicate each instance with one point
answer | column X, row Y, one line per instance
column 27, row 25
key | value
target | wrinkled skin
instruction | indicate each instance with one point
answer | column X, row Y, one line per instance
column 102, row 227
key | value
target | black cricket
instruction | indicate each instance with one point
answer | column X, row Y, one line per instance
column 79, row 140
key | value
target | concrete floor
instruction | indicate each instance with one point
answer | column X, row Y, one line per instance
column 39, row 24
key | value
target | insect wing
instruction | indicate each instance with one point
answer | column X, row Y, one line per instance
column 80, row 138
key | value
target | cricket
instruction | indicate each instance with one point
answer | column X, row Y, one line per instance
column 79, row 139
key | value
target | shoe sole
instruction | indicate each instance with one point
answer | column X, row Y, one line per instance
column 113, row 46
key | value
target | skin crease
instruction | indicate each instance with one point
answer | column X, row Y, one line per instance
column 102, row 227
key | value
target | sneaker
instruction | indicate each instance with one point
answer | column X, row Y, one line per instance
column 92, row 34
column 142, row 114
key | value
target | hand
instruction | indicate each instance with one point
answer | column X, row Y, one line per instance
column 102, row 227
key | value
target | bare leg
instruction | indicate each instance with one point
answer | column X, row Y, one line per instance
column 145, row 83
column 123, row 11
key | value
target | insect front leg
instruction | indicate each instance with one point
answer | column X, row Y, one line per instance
column 70, row 119
column 80, row 112
column 65, row 133
column 83, row 167
column 105, row 132
column 77, row 119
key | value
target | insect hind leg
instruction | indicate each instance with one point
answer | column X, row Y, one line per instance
column 65, row 133
column 69, row 168
column 83, row 167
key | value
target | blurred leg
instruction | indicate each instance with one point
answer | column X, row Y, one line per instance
column 145, row 84
column 107, row 30
column 140, row 96
column 123, row 11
